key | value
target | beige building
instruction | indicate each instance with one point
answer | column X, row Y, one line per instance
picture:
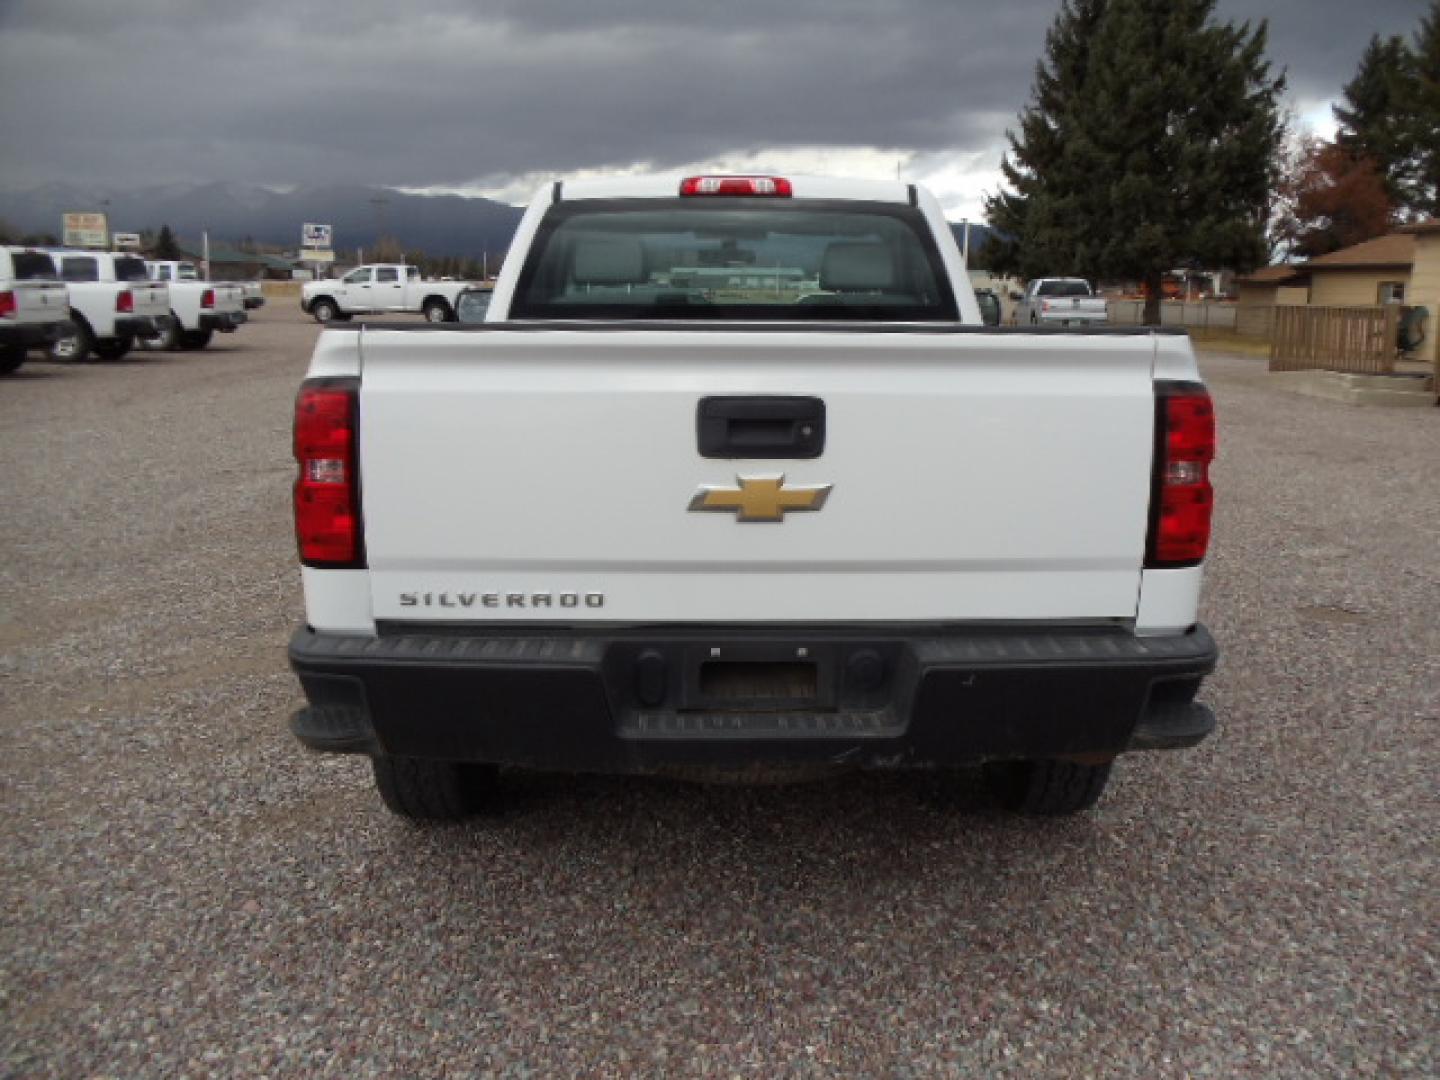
column 1375, row 272
column 1402, row 267
column 1423, row 287
column 1284, row 284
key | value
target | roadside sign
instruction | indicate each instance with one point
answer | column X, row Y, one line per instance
column 86, row 230
column 315, row 236
column 126, row 241
column 315, row 255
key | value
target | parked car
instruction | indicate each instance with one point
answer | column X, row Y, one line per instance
column 1060, row 302
column 381, row 288
column 112, row 303
column 34, row 304
column 618, row 527
column 472, row 304
column 198, row 308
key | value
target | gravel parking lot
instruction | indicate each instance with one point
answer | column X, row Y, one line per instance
column 185, row 891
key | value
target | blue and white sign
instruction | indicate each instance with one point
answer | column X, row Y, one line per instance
column 315, row 236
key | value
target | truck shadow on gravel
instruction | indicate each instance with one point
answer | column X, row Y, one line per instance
column 886, row 823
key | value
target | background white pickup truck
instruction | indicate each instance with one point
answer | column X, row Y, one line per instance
column 381, row 287
column 34, row 305
column 112, row 302
column 198, row 308
column 1060, row 302
column 733, row 475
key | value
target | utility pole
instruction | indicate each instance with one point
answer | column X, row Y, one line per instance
column 205, row 252
column 379, row 202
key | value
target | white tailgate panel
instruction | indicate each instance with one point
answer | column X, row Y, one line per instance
column 975, row 476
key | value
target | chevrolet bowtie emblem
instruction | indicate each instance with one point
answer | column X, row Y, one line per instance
column 760, row 498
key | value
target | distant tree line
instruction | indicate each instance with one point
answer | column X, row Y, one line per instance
column 9, row 234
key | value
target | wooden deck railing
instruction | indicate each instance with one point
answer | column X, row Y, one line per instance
column 1361, row 340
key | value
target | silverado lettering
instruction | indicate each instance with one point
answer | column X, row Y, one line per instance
column 509, row 599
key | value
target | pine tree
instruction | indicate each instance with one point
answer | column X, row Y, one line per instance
column 165, row 245
column 1035, row 153
column 1376, row 115
column 1425, row 113
column 1150, row 143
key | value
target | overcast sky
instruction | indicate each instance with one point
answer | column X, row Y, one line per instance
column 494, row 97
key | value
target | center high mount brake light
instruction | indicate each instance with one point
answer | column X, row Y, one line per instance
column 774, row 187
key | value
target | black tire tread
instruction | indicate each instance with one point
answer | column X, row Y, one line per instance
column 1048, row 788
column 425, row 790
column 11, row 357
column 114, row 349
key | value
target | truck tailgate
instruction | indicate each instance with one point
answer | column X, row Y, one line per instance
column 40, row 301
column 548, row 475
column 151, row 298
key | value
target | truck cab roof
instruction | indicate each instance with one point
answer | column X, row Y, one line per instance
column 667, row 185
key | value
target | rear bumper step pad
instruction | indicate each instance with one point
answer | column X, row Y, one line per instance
column 634, row 700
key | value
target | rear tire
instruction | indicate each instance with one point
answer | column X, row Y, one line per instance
column 73, row 348
column 11, row 357
column 114, row 348
column 323, row 311
column 425, row 790
column 168, row 339
column 1048, row 788
column 195, row 339
column 438, row 311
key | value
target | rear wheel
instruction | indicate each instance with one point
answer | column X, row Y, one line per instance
column 114, row 348
column 324, row 310
column 437, row 311
column 166, row 339
column 425, row 790
column 75, row 345
column 11, row 357
column 195, row 339
column 1050, row 788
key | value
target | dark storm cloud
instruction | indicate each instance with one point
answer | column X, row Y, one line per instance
column 440, row 94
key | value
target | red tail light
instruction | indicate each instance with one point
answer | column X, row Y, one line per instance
column 327, row 490
column 124, row 302
column 775, row 187
column 207, row 298
column 7, row 303
column 1183, row 499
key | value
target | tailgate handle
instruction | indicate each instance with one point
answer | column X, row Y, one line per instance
column 761, row 427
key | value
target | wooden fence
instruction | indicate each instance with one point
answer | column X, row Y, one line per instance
column 1361, row 340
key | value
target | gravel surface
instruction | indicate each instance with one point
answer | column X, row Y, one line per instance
column 186, row 892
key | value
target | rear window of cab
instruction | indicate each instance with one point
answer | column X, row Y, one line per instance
column 751, row 259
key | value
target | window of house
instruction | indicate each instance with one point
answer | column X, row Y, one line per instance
column 1392, row 292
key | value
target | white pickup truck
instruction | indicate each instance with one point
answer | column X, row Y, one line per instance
column 34, row 305
column 381, row 288
column 803, row 511
column 1060, row 302
column 197, row 308
column 112, row 303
